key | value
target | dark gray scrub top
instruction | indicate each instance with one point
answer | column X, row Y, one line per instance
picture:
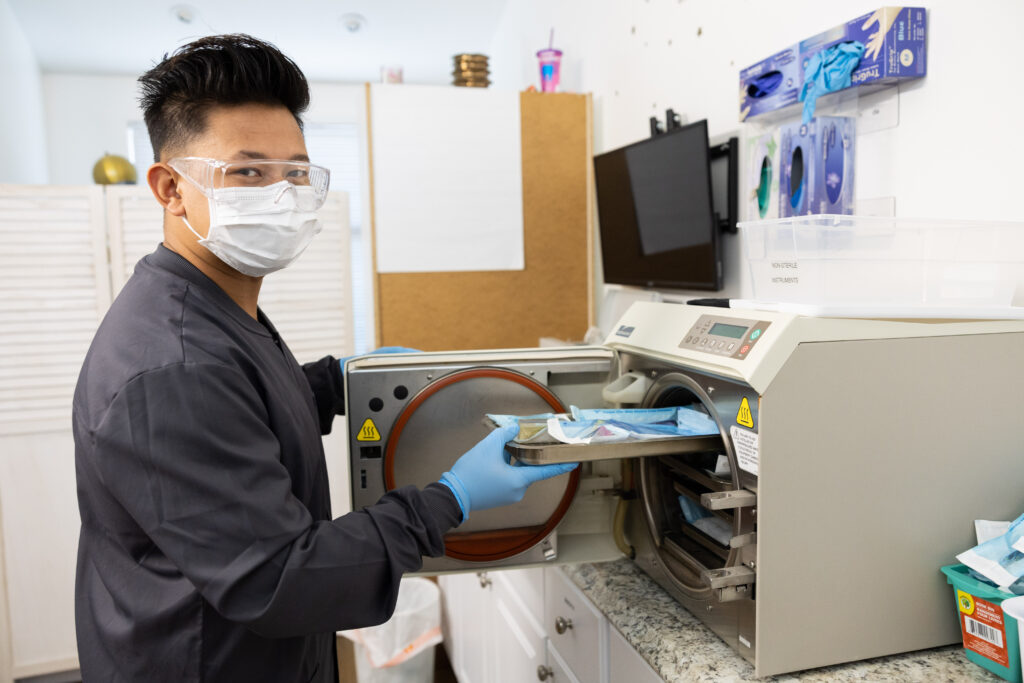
column 207, row 551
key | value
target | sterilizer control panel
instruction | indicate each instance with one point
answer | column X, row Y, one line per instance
column 729, row 337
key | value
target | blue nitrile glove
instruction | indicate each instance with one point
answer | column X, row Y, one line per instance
column 375, row 352
column 484, row 478
column 827, row 71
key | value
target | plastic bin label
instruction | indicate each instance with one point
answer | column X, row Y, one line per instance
column 981, row 623
column 788, row 273
column 747, row 445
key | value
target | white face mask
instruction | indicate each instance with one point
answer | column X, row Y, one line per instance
column 258, row 230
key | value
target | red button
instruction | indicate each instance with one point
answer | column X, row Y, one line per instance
column 744, row 348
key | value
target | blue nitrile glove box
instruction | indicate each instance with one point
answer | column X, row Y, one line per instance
column 894, row 39
column 821, row 181
column 771, row 84
column 894, row 44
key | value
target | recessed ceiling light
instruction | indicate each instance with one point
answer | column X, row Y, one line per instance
column 353, row 23
column 186, row 14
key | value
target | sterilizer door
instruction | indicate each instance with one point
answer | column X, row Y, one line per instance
column 411, row 416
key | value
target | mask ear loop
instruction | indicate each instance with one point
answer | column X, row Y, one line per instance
column 185, row 220
column 191, row 229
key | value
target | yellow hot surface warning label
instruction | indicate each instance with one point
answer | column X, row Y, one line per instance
column 368, row 432
column 744, row 416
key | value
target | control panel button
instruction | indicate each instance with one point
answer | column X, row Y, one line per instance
column 731, row 347
column 754, row 335
column 744, row 348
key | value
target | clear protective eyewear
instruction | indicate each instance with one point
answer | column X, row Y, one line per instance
column 211, row 175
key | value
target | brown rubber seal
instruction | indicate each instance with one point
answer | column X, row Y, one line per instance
column 498, row 544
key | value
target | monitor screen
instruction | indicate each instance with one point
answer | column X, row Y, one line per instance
column 656, row 213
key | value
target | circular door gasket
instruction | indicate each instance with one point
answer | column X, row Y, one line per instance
column 484, row 545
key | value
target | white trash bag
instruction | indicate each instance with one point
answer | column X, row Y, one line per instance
column 401, row 649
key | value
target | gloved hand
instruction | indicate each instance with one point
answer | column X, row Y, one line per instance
column 375, row 352
column 484, row 478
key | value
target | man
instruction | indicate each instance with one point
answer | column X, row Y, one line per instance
column 207, row 552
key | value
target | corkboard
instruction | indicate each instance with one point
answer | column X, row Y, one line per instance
column 552, row 297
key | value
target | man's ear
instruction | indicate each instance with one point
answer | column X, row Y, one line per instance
column 164, row 184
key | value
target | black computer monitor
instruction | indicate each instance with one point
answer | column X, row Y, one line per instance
column 656, row 212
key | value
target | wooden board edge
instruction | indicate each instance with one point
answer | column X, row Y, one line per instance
column 372, row 224
column 591, row 199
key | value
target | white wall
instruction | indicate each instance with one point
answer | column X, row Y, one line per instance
column 22, row 132
column 86, row 116
column 953, row 153
column 336, row 103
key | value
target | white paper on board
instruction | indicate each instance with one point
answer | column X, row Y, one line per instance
column 447, row 173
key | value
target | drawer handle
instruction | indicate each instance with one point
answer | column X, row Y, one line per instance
column 485, row 580
column 562, row 625
column 544, row 673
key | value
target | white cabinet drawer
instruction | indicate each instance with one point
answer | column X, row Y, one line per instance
column 625, row 663
column 582, row 642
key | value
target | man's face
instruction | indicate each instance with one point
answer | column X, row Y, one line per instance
column 238, row 133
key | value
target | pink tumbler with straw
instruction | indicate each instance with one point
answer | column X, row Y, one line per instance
column 550, row 61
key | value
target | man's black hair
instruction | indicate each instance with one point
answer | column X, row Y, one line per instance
column 178, row 93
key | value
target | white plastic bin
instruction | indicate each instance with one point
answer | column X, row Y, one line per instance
column 829, row 260
column 1013, row 608
column 401, row 650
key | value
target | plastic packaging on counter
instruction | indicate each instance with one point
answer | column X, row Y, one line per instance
column 999, row 560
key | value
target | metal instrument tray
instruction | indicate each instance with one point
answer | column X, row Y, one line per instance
column 549, row 453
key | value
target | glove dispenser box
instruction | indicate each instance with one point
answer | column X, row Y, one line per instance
column 761, row 176
column 817, row 160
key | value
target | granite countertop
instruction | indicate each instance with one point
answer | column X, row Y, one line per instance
column 680, row 648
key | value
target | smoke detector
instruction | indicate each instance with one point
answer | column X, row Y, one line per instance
column 353, row 23
column 186, row 14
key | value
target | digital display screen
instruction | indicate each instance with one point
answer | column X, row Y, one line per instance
column 723, row 330
column 656, row 212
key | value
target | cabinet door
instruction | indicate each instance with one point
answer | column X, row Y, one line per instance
column 54, row 276
column 559, row 671
column 516, row 635
column 527, row 585
column 470, row 627
column 451, row 608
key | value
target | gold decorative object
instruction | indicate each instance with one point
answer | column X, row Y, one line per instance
column 112, row 169
column 471, row 71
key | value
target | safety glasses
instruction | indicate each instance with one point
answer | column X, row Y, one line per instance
column 211, row 175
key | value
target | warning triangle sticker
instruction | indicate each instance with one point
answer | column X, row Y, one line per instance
column 743, row 416
column 368, row 432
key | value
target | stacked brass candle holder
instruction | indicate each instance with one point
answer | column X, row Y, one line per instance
column 471, row 71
